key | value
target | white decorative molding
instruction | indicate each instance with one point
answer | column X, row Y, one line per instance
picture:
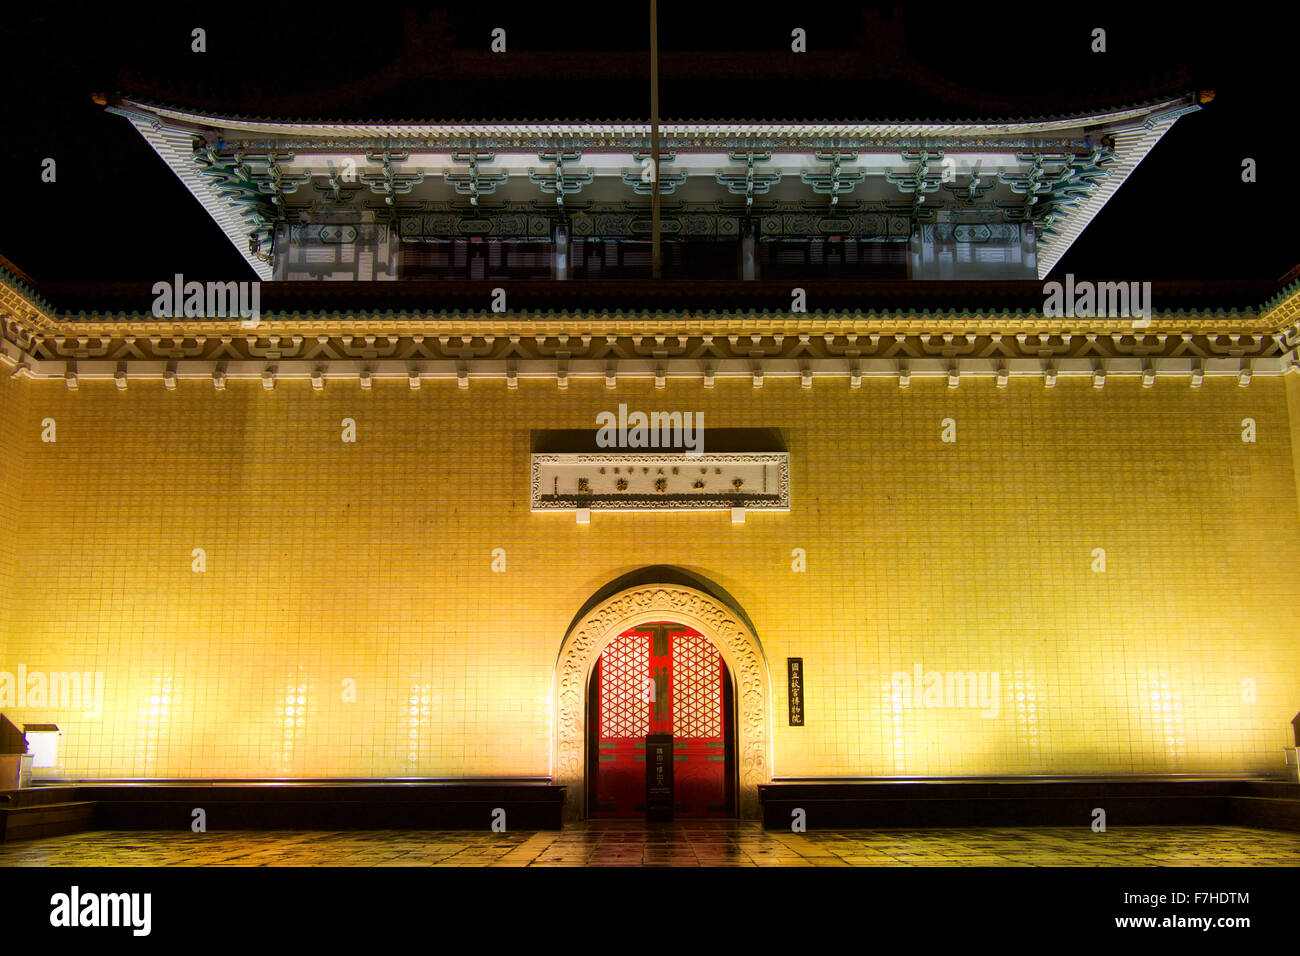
column 901, row 371
column 620, row 481
column 738, row 646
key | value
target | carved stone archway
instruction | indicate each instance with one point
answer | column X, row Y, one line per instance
column 721, row 624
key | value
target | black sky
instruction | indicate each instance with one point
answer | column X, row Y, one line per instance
column 117, row 213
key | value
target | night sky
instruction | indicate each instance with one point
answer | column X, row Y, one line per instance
column 117, row 213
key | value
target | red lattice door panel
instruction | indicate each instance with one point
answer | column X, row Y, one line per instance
column 699, row 747
column 659, row 679
column 622, row 722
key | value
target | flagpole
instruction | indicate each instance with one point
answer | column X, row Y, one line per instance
column 656, row 256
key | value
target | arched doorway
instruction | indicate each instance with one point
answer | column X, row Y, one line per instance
column 715, row 618
column 661, row 678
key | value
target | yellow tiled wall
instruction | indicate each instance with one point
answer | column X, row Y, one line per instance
column 12, row 417
column 370, row 562
column 1293, row 403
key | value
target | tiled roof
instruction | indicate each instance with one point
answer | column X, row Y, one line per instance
column 351, row 302
column 532, row 121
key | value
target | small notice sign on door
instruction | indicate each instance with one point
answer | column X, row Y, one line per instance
column 659, row 802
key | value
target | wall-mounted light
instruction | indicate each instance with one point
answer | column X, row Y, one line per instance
column 43, row 743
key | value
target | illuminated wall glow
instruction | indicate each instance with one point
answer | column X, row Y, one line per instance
column 373, row 563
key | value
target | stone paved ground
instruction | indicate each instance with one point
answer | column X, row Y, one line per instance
column 703, row 843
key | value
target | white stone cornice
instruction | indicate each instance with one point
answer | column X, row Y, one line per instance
column 808, row 371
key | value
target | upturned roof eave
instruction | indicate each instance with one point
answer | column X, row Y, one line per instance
column 263, row 125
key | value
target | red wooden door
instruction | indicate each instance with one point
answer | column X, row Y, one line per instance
column 660, row 678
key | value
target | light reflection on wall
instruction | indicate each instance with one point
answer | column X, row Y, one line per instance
column 418, row 718
column 295, row 711
column 893, row 706
column 1027, row 713
column 1167, row 708
column 155, row 725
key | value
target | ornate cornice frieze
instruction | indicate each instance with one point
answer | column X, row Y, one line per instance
column 36, row 342
column 1283, row 310
column 659, row 349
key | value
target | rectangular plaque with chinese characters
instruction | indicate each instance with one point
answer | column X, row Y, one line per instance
column 659, row 802
column 620, row 481
column 794, row 670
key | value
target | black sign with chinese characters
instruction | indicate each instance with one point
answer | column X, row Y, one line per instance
column 794, row 671
column 659, row 804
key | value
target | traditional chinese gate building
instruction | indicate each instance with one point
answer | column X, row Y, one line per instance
column 370, row 535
